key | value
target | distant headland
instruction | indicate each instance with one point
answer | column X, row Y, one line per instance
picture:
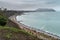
column 36, row 10
column 45, row 10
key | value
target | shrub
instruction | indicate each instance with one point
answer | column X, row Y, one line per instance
column 3, row 20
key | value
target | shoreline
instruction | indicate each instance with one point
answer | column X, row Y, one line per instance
column 34, row 31
column 42, row 31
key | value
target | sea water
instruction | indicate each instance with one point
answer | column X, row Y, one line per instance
column 47, row 21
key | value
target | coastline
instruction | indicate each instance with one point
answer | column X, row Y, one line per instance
column 34, row 31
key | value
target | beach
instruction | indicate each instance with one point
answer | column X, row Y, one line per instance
column 36, row 32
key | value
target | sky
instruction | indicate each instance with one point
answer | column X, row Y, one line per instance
column 30, row 4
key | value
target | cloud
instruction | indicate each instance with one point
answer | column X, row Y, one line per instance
column 29, row 4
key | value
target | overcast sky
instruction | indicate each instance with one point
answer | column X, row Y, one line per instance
column 30, row 4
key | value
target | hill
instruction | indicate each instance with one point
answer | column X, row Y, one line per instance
column 45, row 10
column 13, row 33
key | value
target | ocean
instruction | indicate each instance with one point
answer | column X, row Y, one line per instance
column 47, row 21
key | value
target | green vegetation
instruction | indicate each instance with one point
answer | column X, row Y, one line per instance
column 3, row 20
column 16, row 30
column 13, row 33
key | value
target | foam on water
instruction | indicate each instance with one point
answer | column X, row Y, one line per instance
column 47, row 21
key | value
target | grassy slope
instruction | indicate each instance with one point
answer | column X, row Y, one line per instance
column 10, row 33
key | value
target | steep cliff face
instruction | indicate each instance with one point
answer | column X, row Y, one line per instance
column 45, row 10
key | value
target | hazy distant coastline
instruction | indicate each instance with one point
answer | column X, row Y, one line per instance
column 45, row 10
column 36, row 10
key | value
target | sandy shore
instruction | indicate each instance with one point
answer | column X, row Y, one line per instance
column 37, row 32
